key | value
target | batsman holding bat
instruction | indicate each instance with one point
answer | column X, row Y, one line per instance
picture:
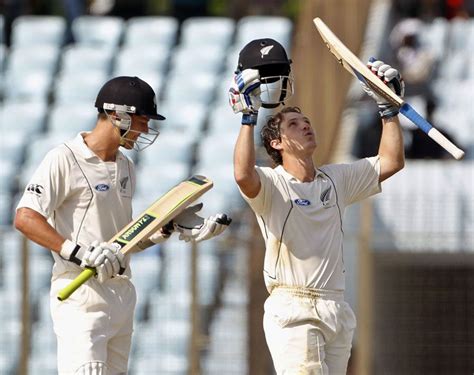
column 300, row 207
column 79, row 197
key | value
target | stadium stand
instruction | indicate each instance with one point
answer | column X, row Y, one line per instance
column 153, row 60
column 42, row 59
column 200, row 31
column 78, row 59
column 254, row 27
column 202, row 58
column 28, row 31
column 103, row 32
column 151, row 31
column 72, row 88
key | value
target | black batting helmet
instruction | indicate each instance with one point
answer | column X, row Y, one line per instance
column 132, row 92
column 270, row 59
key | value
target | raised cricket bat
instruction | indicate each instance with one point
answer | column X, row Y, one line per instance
column 356, row 67
column 154, row 217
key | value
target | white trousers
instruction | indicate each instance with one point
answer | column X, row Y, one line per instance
column 308, row 332
column 94, row 325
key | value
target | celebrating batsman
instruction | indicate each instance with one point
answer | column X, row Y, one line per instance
column 79, row 197
column 300, row 207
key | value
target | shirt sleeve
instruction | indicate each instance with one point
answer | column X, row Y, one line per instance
column 262, row 201
column 47, row 188
column 357, row 180
column 362, row 180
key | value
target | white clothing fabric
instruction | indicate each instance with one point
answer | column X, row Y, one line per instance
column 86, row 200
column 94, row 324
column 308, row 334
column 307, row 324
column 301, row 222
column 83, row 198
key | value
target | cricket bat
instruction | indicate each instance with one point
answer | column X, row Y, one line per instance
column 357, row 68
column 161, row 212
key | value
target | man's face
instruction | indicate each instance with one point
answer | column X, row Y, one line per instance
column 297, row 135
column 139, row 125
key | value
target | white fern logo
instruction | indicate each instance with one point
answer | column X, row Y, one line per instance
column 265, row 50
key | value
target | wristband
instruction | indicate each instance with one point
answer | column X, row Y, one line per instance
column 249, row 119
column 167, row 229
column 387, row 111
column 72, row 252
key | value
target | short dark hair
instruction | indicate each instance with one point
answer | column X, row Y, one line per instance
column 271, row 131
column 101, row 116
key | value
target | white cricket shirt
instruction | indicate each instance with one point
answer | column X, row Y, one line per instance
column 301, row 222
column 84, row 198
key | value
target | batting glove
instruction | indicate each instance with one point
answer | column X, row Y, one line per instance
column 194, row 228
column 107, row 259
column 393, row 79
column 244, row 95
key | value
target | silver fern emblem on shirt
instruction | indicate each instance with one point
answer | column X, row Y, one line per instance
column 326, row 196
column 123, row 184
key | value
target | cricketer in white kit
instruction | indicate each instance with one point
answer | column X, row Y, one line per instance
column 299, row 208
column 79, row 197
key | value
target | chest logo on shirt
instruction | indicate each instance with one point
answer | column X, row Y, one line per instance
column 35, row 189
column 123, row 184
column 302, row 202
column 326, row 196
column 102, row 187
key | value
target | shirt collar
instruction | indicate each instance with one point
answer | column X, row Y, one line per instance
column 290, row 177
column 86, row 152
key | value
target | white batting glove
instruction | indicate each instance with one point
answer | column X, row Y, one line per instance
column 107, row 259
column 194, row 228
column 393, row 79
column 244, row 95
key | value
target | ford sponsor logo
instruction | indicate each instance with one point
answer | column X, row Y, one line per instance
column 302, row 202
column 102, row 187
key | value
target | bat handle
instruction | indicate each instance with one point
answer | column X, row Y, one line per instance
column 85, row 275
column 409, row 112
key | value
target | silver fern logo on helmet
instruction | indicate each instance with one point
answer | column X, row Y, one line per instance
column 265, row 50
column 270, row 59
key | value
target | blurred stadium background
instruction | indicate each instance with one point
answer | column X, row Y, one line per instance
column 409, row 252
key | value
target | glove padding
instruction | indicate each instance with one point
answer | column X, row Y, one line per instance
column 106, row 258
column 244, row 92
column 392, row 78
column 194, row 228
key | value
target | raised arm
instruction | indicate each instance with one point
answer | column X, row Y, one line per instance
column 244, row 162
column 391, row 149
column 244, row 98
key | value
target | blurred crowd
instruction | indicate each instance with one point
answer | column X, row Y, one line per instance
column 420, row 65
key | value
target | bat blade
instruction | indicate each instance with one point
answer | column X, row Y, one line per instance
column 357, row 68
column 148, row 222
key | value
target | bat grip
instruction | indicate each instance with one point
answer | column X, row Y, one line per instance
column 85, row 275
column 410, row 113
